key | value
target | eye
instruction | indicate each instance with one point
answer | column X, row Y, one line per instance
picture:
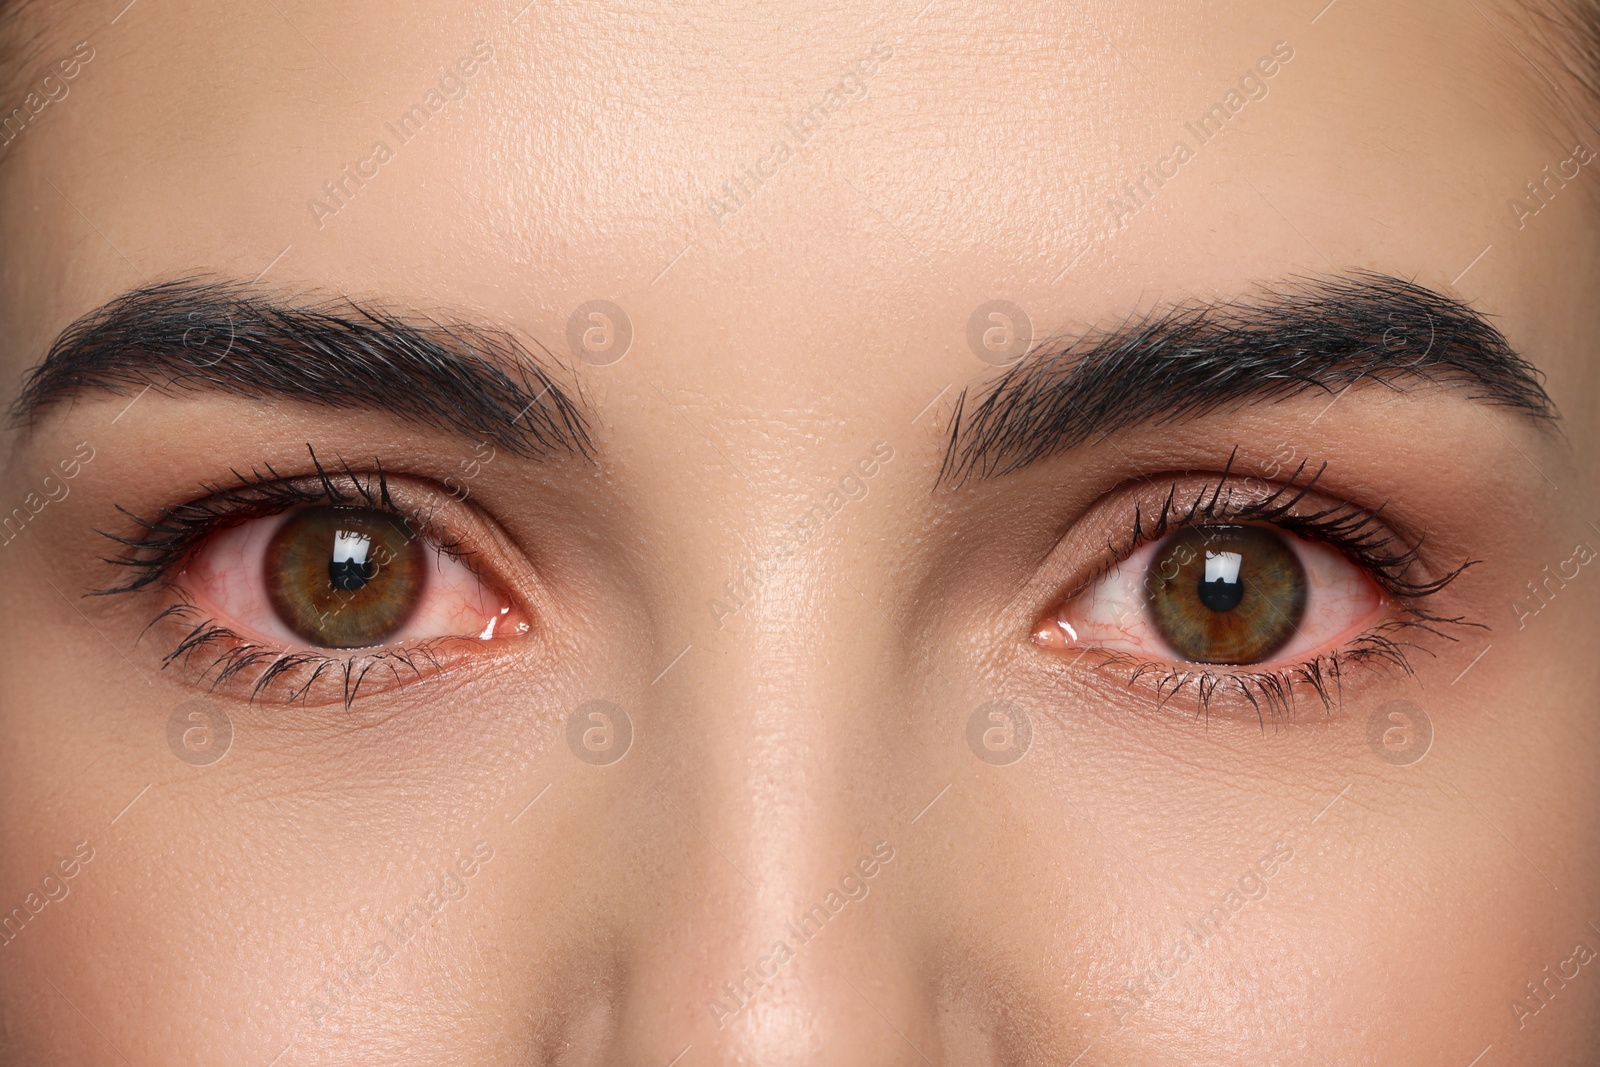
column 316, row 588
column 1222, row 594
column 340, row 578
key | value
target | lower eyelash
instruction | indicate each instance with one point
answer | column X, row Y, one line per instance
column 1271, row 694
column 235, row 656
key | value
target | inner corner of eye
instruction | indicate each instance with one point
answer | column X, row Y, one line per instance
column 1054, row 630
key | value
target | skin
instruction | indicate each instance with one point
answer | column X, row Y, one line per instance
column 828, row 712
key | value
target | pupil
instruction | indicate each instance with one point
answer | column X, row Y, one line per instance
column 351, row 567
column 1220, row 587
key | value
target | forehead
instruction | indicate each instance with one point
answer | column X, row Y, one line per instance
column 775, row 184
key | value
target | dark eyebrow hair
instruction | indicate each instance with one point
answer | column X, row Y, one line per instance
column 200, row 335
column 1185, row 361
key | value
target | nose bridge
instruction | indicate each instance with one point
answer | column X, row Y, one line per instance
column 776, row 879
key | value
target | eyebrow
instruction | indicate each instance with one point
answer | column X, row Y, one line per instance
column 215, row 336
column 1186, row 361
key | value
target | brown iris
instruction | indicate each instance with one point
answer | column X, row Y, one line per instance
column 344, row 577
column 1226, row 594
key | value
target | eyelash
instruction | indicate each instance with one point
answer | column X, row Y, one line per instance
column 168, row 541
column 1355, row 531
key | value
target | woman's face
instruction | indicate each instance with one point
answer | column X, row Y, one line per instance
column 670, row 535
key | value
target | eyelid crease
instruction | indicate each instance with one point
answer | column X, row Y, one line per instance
column 173, row 533
column 1356, row 530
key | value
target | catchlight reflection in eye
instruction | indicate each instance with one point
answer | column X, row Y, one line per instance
column 351, row 566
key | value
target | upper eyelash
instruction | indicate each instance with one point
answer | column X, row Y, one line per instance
column 1355, row 530
column 168, row 539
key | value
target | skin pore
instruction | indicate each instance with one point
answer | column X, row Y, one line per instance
column 802, row 612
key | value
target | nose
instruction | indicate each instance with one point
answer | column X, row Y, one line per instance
column 770, row 924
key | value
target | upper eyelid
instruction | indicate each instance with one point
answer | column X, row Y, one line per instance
column 1163, row 503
